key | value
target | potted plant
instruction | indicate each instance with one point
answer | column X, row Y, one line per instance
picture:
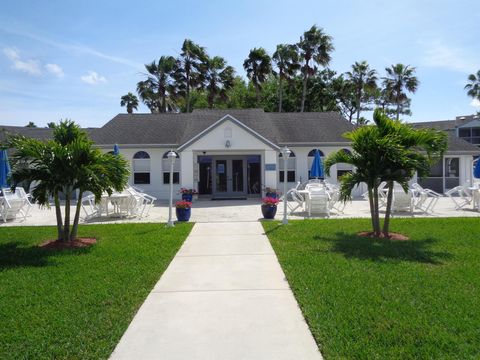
column 187, row 194
column 271, row 193
column 269, row 207
column 183, row 210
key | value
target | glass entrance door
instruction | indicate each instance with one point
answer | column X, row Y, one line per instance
column 230, row 177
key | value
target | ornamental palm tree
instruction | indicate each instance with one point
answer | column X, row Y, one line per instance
column 189, row 75
column 130, row 101
column 64, row 165
column 364, row 80
column 400, row 79
column 219, row 78
column 158, row 90
column 287, row 63
column 258, row 66
column 386, row 151
column 315, row 47
column 473, row 87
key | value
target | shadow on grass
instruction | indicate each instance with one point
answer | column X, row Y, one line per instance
column 13, row 254
column 382, row 250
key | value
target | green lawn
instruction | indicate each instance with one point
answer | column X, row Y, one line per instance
column 377, row 299
column 76, row 304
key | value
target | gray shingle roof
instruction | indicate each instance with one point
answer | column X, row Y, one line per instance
column 38, row 133
column 176, row 129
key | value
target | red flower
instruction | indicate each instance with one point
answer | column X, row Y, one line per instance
column 183, row 204
column 270, row 201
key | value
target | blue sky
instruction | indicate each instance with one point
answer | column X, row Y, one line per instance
column 75, row 59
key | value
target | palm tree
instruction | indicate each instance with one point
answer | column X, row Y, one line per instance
column 190, row 62
column 219, row 78
column 287, row 63
column 473, row 87
column 386, row 151
column 31, row 124
column 400, row 78
column 130, row 101
column 315, row 46
column 158, row 90
column 65, row 164
column 364, row 80
column 258, row 66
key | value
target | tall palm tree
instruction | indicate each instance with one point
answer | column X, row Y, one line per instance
column 315, row 48
column 364, row 80
column 286, row 61
column 190, row 62
column 130, row 101
column 400, row 79
column 158, row 90
column 258, row 66
column 473, row 87
column 219, row 77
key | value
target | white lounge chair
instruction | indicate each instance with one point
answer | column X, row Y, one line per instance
column 461, row 196
column 425, row 199
column 402, row 201
column 14, row 204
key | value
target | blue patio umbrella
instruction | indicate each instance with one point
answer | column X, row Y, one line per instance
column 316, row 170
column 476, row 170
column 116, row 150
column 4, row 168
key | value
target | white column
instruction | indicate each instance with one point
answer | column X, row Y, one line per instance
column 186, row 169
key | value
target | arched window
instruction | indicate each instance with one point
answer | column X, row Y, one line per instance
column 291, row 168
column 310, row 157
column 141, row 168
column 343, row 168
column 166, row 169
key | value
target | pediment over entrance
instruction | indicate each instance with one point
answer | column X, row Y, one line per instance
column 228, row 134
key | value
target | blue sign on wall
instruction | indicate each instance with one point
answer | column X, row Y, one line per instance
column 270, row 167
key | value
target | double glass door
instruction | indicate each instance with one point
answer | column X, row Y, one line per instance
column 230, row 176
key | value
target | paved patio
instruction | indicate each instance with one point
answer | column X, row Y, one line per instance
column 223, row 296
column 236, row 210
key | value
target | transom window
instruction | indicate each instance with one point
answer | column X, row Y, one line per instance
column 291, row 168
column 141, row 168
column 166, row 169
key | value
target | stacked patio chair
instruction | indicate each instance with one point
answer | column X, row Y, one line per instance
column 318, row 202
column 402, row 201
column 143, row 201
column 13, row 204
column 295, row 200
column 461, row 196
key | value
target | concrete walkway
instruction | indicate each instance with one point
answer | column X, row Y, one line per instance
column 224, row 296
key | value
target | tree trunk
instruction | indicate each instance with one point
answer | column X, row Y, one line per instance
column 73, row 235
column 372, row 207
column 280, row 94
column 304, row 91
column 386, row 222
column 359, row 98
column 188, row 91
column 66, row 226
column 58, row 213
column 377, row 215
column 257, row 94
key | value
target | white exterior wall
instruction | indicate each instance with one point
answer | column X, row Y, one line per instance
column 156, row 187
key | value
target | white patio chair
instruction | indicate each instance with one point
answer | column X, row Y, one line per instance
column 318, row 202
column 124, row 205
column 14, row 204
column 295, row 200
column 402, row 201
column 425, row 199
column 89, row 207
column 335, row 202
column 461, row 196
column 143, row 201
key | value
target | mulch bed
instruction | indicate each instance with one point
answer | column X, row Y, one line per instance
column 61, row 245
column 391, row 236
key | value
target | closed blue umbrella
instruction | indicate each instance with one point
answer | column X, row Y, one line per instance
column 316, row 170
column 476, row 170
column 4, row 168
column 116, row 150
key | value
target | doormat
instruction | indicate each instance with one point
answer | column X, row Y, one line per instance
column 229, row 198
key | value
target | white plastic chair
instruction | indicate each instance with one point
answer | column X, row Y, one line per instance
column 402, row 201
column 461, row 196
column 425, row 199
column 14, row 204
column 318, row 202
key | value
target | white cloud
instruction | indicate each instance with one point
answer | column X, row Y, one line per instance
column 475, row 103
column 93, row 78
column 437, row 54
column 55, row 69
column 29, row 66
